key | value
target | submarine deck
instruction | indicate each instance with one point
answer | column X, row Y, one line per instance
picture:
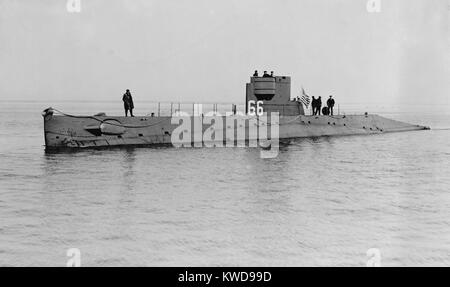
column 65, row 131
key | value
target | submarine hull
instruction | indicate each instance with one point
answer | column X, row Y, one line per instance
column 73, row 132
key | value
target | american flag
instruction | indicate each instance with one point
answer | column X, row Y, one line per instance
column 305, row 98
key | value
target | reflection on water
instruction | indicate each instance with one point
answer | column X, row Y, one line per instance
column 322, row 201
column 129, row 158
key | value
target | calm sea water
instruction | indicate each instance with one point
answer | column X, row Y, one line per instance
column 320, row 202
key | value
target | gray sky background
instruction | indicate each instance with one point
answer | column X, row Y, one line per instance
column 206, row 50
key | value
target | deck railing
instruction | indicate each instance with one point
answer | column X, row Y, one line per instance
column 169, row 108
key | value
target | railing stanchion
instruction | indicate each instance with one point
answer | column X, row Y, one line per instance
column 159, row 109
column 171, row 106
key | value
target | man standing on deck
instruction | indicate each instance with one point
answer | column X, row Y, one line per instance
column 314, row 105
column 330, row 105
column 319, row 105
column 128, row 103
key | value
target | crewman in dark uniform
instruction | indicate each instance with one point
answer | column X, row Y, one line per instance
column 265, row 75
column 255, row 74
column 319, row 105
column 128, row 104
column 314, row 105
column 330, row 105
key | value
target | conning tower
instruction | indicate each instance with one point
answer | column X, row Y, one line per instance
column 275, row 94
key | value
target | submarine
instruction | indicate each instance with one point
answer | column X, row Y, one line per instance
column 268, row 104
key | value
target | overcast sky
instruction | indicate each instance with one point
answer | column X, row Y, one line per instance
column 206, row 50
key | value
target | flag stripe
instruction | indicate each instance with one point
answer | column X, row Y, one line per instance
column 305, row 98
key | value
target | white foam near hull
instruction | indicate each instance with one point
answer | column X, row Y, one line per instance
column 63, row 131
